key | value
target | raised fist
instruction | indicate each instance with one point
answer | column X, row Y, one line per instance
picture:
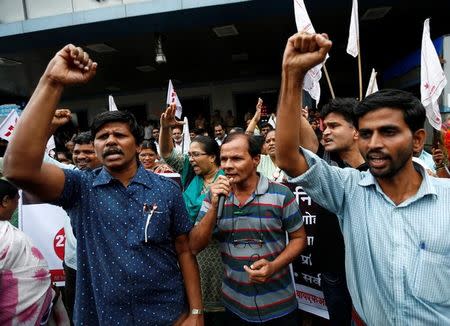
column 304, row 51
column 71, row 65
column 61, row 117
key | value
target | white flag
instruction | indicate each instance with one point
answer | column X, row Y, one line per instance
column 353, row 34
column 432, row 78
column 373, row 86
column 272, row 121
column 312, row 78
column 186, row 137
column 8, row 125
column 50, row 144
column 172, row 98
column 112, row 104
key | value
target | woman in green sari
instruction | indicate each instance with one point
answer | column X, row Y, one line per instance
column 199, row 168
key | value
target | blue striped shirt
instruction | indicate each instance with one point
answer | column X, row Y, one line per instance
column 267, row 215
column 397, row 256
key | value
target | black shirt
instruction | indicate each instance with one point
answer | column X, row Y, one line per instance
column 328, row 251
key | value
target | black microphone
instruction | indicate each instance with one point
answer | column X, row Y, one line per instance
column 220, row 206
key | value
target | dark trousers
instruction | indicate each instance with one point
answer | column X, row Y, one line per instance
column 69, row 290
column 337, row 298
column 290, row 319
column 214, row 318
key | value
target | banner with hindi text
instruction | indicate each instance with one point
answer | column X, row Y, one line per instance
column 307, row 280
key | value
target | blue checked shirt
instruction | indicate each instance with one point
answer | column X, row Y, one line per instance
column 397, row 256
column 121, row 278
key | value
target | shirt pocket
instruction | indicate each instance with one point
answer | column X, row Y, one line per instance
column 155, row 227
column 432, row 277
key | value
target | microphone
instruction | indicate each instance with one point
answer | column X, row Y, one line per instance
column 220, row 206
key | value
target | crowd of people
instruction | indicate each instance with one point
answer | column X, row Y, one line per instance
column 215, row 247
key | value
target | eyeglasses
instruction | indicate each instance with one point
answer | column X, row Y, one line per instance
column 252, row 243
column 195, row 154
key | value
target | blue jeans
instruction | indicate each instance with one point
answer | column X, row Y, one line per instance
column 337, row 298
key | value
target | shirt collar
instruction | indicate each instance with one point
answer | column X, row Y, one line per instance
column 426, row 187
column 262, row 186
column 142, row 176
column 261, row 189
column 221, row 139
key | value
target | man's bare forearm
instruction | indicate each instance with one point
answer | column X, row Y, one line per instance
column 23, row 158
column 201, row 234
column 288, row 124
column 25, row 152
column 307, row 136
column 252, row 125
column 165, row 142
column 303, row 51
column 293, row 249
column 190, row 272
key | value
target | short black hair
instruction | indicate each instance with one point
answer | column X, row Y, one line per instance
column 198, row 131
column 236, row 130
column 149, row 144
column 83, row 138
column 118, row 116
column 260, row 140
column 272, row 130
column 266, row 124
column 7, row 189
column 344, row 106
column 67, row 154
column 209, row 145
column 412, row 109
column 218, row 124
column 254, row 144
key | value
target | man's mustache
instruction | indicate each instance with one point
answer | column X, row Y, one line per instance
column 111, row 151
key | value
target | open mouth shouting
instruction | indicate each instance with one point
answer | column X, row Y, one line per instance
column 377, row 160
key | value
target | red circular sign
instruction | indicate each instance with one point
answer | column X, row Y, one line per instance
column 59, row 242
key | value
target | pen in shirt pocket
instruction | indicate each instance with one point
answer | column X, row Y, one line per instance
column 149, row 217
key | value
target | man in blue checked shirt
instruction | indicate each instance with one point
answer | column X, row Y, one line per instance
column 394, row 217
column 134, row 264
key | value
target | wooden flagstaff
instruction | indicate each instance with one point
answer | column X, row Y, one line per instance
column 328, row 80
column 360, row 72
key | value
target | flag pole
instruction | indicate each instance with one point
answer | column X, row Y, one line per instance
column 328, row 81
column 360, row 72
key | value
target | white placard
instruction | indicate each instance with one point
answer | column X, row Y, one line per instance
column 44, row 224
column 311, row 300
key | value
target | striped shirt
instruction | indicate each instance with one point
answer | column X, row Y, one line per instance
column 266, row 216
column 397, row 257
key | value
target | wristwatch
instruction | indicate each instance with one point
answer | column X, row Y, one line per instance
column 197, row 312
